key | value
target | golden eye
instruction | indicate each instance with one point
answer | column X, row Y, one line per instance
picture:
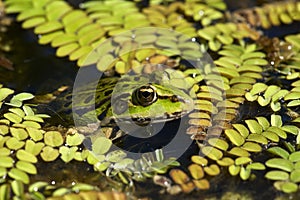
column 144, row 95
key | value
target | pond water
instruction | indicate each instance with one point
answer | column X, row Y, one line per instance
column 37, row 70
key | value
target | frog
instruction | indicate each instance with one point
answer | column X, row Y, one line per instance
column 138, row 99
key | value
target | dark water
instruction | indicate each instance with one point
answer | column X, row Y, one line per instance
column 38, row 70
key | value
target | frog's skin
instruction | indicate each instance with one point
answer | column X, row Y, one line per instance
column 134, row 98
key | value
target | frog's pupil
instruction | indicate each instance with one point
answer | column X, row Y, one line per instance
column 144, row 96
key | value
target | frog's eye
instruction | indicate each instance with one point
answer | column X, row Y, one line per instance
column 144, row 95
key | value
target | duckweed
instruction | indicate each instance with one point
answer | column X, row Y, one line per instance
column 23, row 142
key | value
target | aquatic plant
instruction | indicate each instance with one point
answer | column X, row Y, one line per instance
column 228, row 142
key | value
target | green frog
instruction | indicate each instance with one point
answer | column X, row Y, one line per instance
column 139, row 99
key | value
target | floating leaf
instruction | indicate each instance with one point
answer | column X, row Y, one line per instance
column 234, row 170
column 256, row 166
column 196, row 171
column 280, row 163
column 202, row 184
column 278, row 131
column 26, row 167
column 33, row 148
column 295, row 156
column 67, row 154
column 23, row 96
column 253, row 126
column 53, row 138
column 289, row 187
column 101, row 145
column 199, row 160
column 212, row 153
column 241, row 129
column 17, row 111
column 4, row 151
column 245, row 173
column 212, row 170
column 18, row 133
column 17, row 174
column 237, row 151
column 259, row 138
column 102, row 166
column 235, row 137
column 218, row 143
column 49, row 154
column 276, row 120
column 179, row 176
column 5, row 92
column 263, row 122
column 31, row 124
column 34, row 118
column 26, row 156
column 74, row 140
column 277, row 175
column 35, row 134
column 17, row 187
column 4, row 129
column 48, row 27
column 225, row 161
column 13, row 117
column 242, row 160
column 5, row 191
column 6, row 161
column 14, row 143
column 271, row 136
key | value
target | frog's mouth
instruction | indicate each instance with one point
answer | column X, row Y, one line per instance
column 146, row 120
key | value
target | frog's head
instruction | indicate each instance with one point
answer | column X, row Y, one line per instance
column 143, row 102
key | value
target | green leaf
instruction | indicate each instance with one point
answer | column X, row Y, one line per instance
column 234, row 170
column 295, row 156
column 74, row 140
column 17, row 187
column 6, row 161
column 17, row 174
column 289, row 187
column 33, row 22
column 212, row 152
column 14, row 143
column 23, row 96
column 49, row 154
column 67, row 154
column 13, row 117
column 18, row 133
column 254, row 126
column 26, row 156
column 280, row 163
column 277, row 175
column 33, row 148
column 37, row 186
column 53, row 138
column 35, row 134
column 235, row 137
column 279, row 152
column 48, row 27
column 256, row 166
column 26, row 167
column 101, row 145
column 276, row 120
column 245, row 173
column 27, row 110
